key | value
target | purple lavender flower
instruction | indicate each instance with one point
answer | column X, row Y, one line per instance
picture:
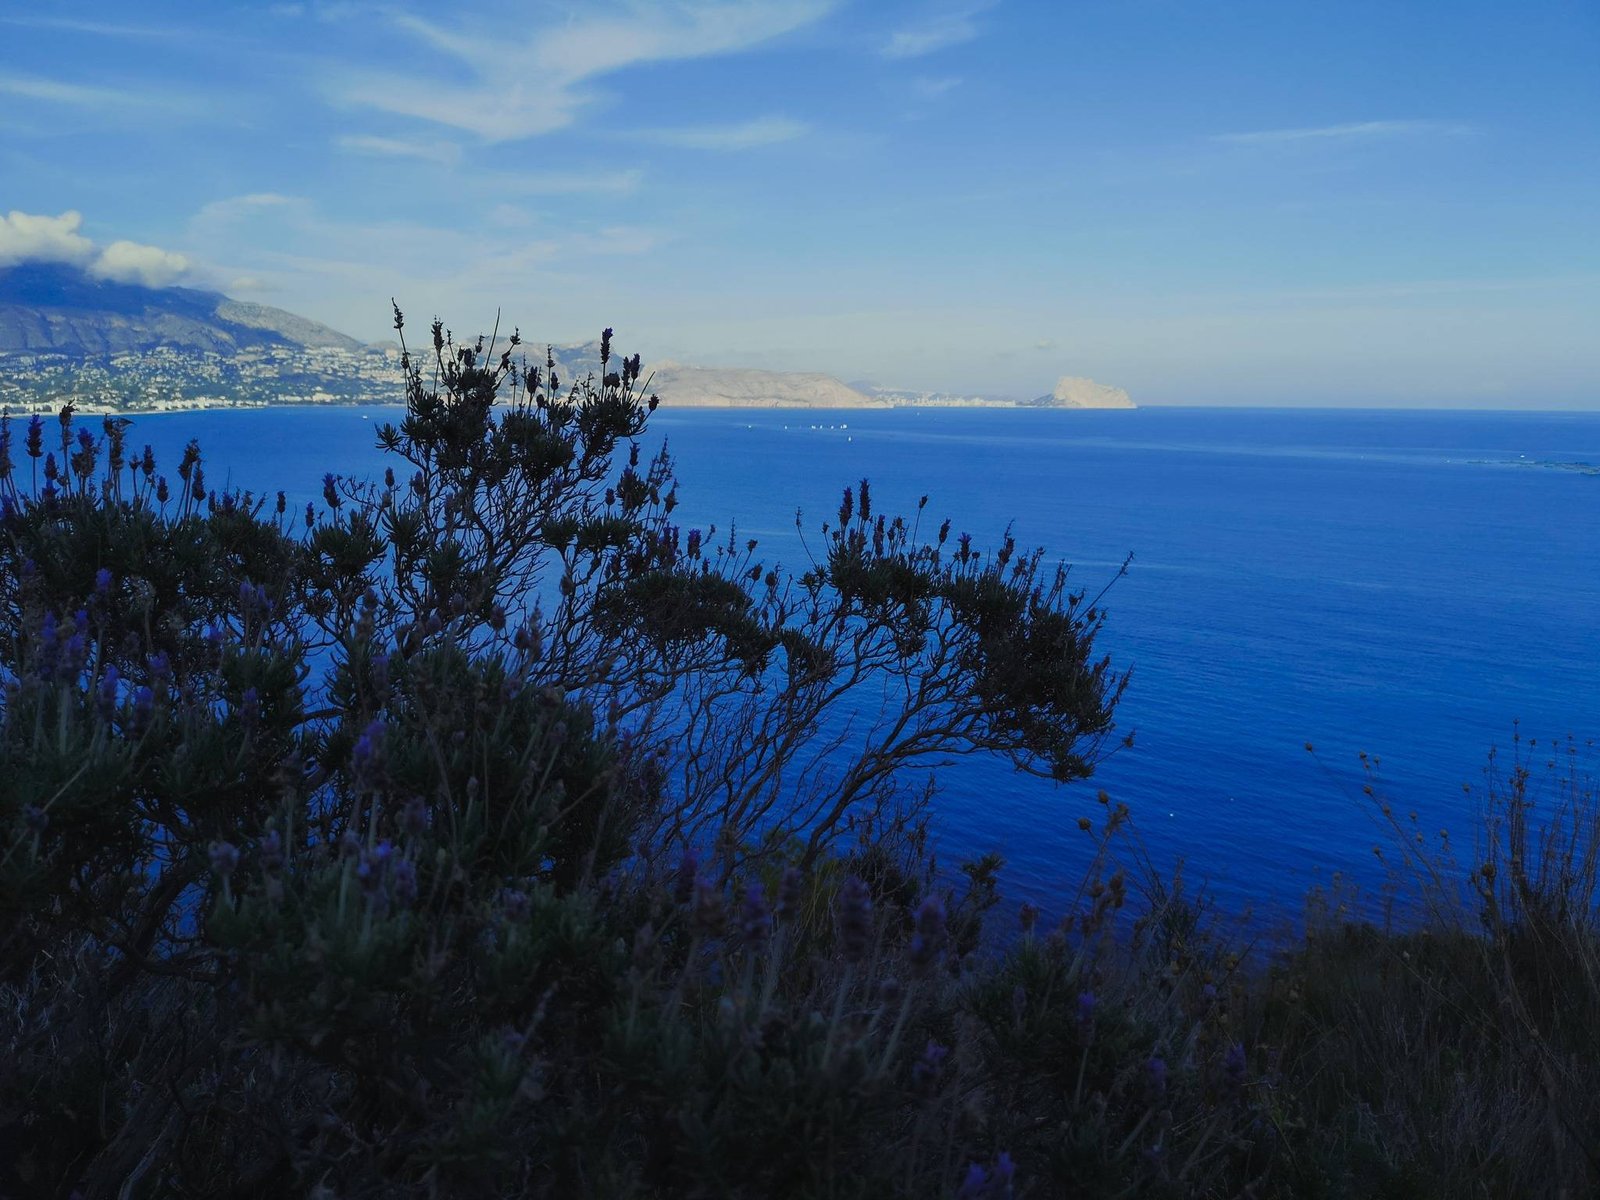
column 36, row 819
column 687, row 874
column 1235, row 1067
column 515, row 904
column 414, row 817
column 372, row 868
column 708, row 914
column 224, row 858
column 755, row 919
column 144, row 711
column 853, row 914
column 159, row 666
column 1005, row 1172
column 1155, row 1075
column 106, row 693
column 77, row 653
column 330, row 490
column 250, row 707
column 366, row 758
column 1086, row 1006
column 271, row 851
column 404, row 882
column 102, row 581
column 928, row 940
column 791, row 893
column 1027, row 918
column 925, row 1071
column 975, row 1183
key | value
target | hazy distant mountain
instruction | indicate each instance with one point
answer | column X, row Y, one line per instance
column 51, row 307
column 683, row 386
column 1070, row 392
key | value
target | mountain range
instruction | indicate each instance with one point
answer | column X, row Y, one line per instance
column 58, row 316
column 48, row 307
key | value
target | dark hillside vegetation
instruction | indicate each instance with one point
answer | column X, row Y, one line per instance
column 479, row 831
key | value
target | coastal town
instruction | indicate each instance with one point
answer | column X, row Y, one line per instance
column 167, row 379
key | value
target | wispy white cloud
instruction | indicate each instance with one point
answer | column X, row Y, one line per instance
column 442, row 152
column 564, row 183
column 930, row 88
column 53, row 91
column 335, row 265
column 537, row 86
column 100, row 28
column 747, row 135
column 232, row 208
column 939, row 31
column 1352, row 131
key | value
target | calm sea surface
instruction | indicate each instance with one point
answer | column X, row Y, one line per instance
column 1407, row 584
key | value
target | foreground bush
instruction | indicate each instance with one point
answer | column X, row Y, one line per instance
column 479, row 832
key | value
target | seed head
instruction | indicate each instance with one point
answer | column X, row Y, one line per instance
column 853, row 914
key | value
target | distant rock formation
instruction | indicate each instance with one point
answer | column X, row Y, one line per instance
column 1073, row 391
column 681, row 386
column 729, row 387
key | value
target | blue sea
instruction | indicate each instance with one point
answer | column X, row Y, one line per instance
column 1414, row 585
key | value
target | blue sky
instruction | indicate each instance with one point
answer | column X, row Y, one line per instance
column 1260, row 203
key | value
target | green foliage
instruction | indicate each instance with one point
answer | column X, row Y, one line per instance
column 338, row 846
column 481, row 832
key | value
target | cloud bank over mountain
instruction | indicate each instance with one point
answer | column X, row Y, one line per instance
column 35, row 238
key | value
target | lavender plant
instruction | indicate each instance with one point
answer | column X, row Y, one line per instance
column 339, row 845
